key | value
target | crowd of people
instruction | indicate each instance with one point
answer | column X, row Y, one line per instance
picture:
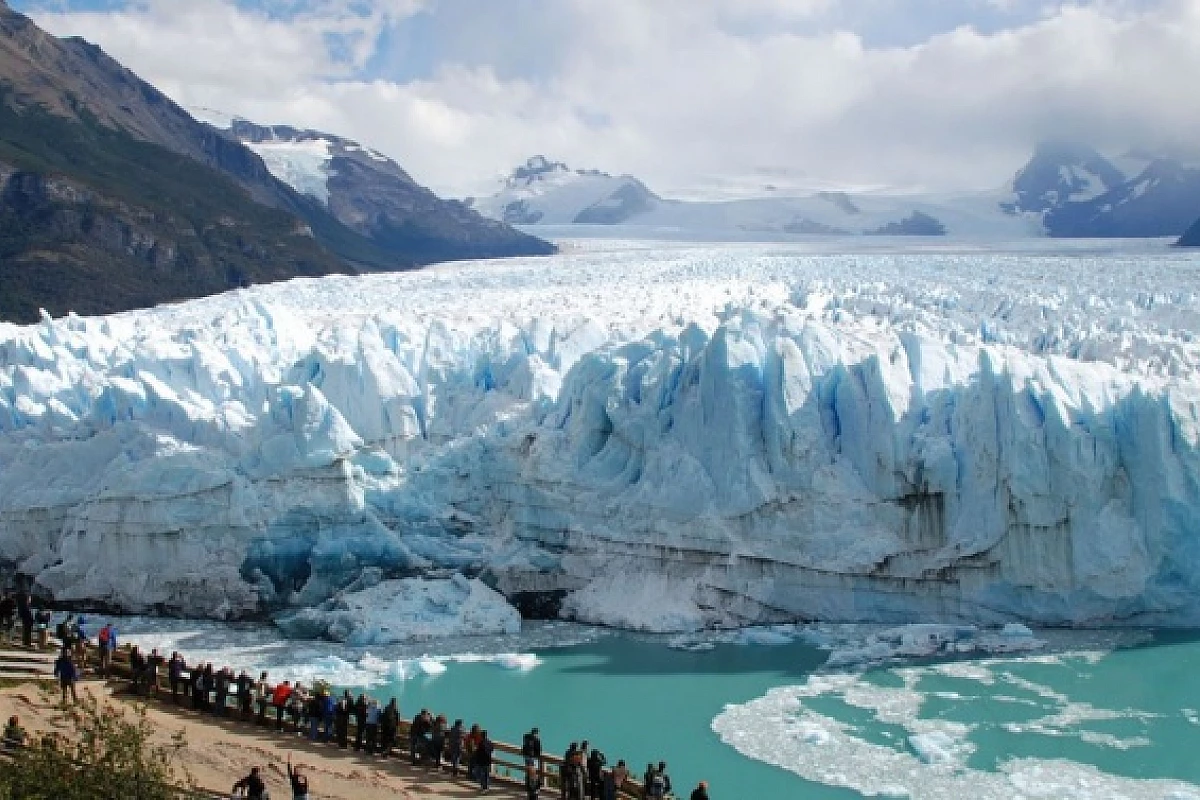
column 370, row 726
column 323, row 716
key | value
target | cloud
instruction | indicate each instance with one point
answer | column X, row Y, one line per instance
column 688, row 94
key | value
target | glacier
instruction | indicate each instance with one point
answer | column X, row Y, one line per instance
column 743, row 433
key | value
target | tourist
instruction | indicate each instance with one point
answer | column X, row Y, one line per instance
column 653, row 784
column 14, row 734
column 416, row 737
column 296, row 707
column 279, row 700
column 574, row 778
column 342, row 720
column 389, row 724
column 197, row 684
column 662, row 770
column 482, row 760
column 252, row 785
column 437, row 741
column 568, row 757
column 531, row 748
column 175, row 668
column 137, row 668
column 221, row 682
column 316, row 713
column 533, row 782
column 595, row 769
column 648, row 781
column 245, row 694
column 454, row 746
column 25, row 612
column 263, row 693
column 701, row 791
column 610, row 786
column 374, row 712
column 470, row 745
column 41, row 626
column 298, row 780
column 64, row 670
column 154, row 665
column 328, row 716
column 360, row 721
column 8, row 616
column 102, row 639
column 620, row 774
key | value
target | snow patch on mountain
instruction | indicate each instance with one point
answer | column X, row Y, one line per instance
column 302, row 164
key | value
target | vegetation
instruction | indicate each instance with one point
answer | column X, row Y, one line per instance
column 140, row 224
column 110, row 756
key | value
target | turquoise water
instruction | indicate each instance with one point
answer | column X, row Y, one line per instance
column 1130, row 712
column 1089, row 716
column 634, row 699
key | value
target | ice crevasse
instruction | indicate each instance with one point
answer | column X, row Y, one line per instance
column 737, row 443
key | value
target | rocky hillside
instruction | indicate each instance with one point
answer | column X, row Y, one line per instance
column 372, row 195
column 1079, row 193
column 114, row 197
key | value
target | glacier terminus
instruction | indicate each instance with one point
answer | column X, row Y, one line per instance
column 655, row 436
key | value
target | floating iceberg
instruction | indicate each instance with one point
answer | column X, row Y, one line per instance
column 406, row 610
column 671, row 438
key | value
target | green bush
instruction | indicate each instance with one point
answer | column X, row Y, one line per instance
column 110, row 755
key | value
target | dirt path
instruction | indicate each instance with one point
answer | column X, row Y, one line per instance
column 221, row 751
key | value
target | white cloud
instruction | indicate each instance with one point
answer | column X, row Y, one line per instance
column 680, row 92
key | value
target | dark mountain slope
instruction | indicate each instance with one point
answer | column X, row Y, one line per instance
column 161, row 227
column 373, row 196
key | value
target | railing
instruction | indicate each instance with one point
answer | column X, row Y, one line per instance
column 508, row 765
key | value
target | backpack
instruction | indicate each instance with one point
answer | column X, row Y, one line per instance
column 103, row 635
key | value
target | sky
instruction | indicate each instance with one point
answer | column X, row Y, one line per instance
column 698, row 98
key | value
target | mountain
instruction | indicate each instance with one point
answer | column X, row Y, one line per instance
column 372, row 195
column 1191, row 237
column 1061, row 173
column 1079, row 193
column 541, row 191
column 1160, row 201
column 545, row 192
column 114, row 197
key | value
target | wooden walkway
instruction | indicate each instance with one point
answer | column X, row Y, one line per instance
column 508, row 768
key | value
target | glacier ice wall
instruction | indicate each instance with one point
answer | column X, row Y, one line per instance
column 676, row 435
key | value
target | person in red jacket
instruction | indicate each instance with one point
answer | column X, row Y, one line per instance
column 279, row 699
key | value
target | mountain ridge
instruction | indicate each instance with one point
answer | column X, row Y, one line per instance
column 82, row 217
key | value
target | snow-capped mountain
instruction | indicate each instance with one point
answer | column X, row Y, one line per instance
column 541, row 191
column 1161, row 200
column 1060, row 173
column 1066, row 190
column 673, row 438
column 545, row 192
column 1079, row 193
column 372, row 195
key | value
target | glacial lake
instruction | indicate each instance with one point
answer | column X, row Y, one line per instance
column 1092, row 715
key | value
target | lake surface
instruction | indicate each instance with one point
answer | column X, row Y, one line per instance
column 1093, row 715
